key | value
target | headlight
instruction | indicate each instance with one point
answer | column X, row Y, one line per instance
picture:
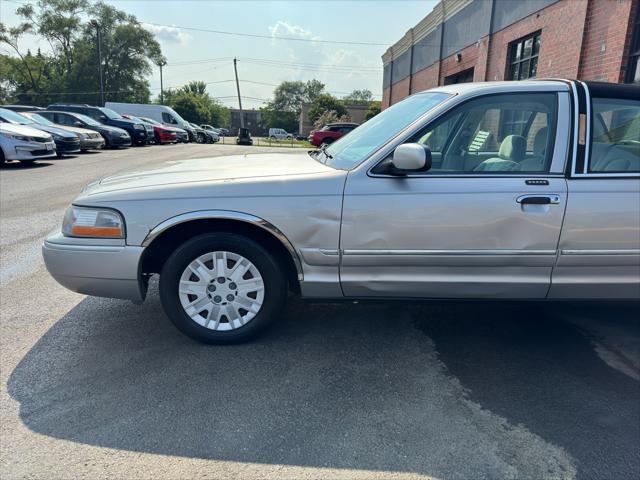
column 137, row 126
column 22, row 138
column 57, row 137
column 83, row 136
column 92, row 222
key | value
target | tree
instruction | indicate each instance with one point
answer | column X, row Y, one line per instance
column 70, row 64
column 373, row 110
column 358, row 97
column 194, row 104
column 290, row 95
column 326, row 103
column 271, row 118
column 313, row 89
column 195, row 87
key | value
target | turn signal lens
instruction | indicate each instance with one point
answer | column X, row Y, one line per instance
column 92, row 222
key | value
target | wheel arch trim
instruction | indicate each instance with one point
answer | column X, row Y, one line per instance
column 162, row 227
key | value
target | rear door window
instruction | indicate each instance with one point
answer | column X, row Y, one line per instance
column 615, row 146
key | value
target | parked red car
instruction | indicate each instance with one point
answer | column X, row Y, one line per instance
column 161, row 133
column 330, row 133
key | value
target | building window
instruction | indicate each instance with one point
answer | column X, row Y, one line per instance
column 633, row 70
column 462, row 77
column 523, row 57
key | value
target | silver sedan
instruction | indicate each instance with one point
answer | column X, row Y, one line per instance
column 512, row 190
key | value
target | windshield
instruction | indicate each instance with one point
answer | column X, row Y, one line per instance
column 87, row 120
column 110, row 113
column 351, row 149
column 13, row 117
column 38, row 119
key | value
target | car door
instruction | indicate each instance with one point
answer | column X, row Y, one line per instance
column 600, row 243
column 484, row 221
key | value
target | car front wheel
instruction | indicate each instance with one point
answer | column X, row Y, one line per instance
column 222, row 288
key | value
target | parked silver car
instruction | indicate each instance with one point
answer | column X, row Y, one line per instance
column 512, row 190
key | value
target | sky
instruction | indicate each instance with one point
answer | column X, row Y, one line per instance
column 265, row 61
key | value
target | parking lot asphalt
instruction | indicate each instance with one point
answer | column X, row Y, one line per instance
column 95, row 388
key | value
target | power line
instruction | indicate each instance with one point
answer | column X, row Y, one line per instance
column 280, row 37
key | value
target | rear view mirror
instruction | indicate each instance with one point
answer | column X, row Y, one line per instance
column 410, row 157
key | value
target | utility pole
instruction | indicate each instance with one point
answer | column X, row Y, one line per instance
column 99, row 39
column 161, row 63
column 235, row 68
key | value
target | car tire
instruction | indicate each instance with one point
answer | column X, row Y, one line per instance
column 201, row 302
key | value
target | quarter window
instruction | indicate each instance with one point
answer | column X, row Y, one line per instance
column 523, row 57
column 615, row 144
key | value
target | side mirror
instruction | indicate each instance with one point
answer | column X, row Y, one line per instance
column 410, row 157
column 103, row 118
column 78, row 123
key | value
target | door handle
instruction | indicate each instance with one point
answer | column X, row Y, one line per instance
column 538, row 199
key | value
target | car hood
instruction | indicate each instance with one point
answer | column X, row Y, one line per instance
column 106, row 128
column 77, row 130
column 198, row 173
column 58, row 131
column 22, row 130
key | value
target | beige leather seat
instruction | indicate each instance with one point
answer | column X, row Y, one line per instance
column 537, row 161
column 511, row 153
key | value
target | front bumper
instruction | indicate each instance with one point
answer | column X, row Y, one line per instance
column 99, row 270
column 119, row 141
column 91, row 143
column 138, row 135
column 31, row 151
column 68, row 146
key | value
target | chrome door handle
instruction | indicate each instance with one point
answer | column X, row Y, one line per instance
column 538, row 199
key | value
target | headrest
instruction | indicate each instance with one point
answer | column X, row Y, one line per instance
column 513, row 148
column 540, row 142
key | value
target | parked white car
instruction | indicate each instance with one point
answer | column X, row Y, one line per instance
column 279, row 134
column 23, row 143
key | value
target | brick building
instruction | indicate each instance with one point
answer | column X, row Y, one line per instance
column 485, row 40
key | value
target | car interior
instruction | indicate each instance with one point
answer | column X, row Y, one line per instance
column 494, row 134
column 616, row 136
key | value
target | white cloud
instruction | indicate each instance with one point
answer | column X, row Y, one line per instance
column 282, row 28
column 169, row 34
column 326, row 56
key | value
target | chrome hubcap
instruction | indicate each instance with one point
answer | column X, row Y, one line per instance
column 221, row 290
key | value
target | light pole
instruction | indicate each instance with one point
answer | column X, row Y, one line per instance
column 161, row 63
column 239, row 98
column 95, row 24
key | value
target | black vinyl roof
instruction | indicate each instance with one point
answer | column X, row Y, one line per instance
column 614, row 90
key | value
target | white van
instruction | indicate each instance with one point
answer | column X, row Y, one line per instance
column 279, row 134
column 159, row 113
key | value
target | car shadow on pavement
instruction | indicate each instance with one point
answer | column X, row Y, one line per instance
column 529, row 365
column 340, row 386
column 24, row 166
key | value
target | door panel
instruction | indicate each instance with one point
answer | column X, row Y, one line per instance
column 449, row 237
column 600, row 243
